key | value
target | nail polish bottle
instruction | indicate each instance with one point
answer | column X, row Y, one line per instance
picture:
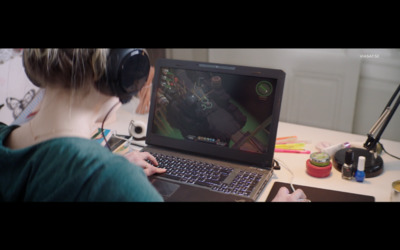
column 347, row 168
column 360, row 174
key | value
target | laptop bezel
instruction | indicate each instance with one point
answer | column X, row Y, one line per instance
column 254, row 159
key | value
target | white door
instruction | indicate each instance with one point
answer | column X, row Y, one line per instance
column 320, row 87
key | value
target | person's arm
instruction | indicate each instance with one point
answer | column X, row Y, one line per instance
column 141, row 159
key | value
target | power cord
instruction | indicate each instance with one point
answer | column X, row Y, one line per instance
column 281, row 163
column 277, row 166
column 384, row 150
column 102, row 125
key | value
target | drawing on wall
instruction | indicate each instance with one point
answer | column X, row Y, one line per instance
column 23, row 110
column 17, row 106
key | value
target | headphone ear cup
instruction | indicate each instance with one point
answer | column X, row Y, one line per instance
column 127, row 71
column 107, row 84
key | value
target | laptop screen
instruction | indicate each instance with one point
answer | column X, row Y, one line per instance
column 228, row 111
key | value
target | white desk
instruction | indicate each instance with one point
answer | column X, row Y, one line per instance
column 379, row 187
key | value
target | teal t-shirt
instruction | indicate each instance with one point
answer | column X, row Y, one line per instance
column 69, row 169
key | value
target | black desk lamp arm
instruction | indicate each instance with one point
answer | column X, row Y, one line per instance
column 382, row 122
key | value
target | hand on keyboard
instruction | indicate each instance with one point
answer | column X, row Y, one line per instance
column 208, row 175
column 146, row 161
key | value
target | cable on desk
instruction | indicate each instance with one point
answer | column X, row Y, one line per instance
column 384, row 150
column 281, row 163
column 291, row 179
column 276, row 165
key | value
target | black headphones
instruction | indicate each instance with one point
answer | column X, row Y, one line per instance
column 127, row 71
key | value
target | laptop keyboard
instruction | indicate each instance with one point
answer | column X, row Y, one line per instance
column 207, row 175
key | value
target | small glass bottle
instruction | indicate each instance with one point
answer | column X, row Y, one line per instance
column 360, row 174
column 347, row 168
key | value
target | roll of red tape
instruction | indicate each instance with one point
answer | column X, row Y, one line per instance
column 317, row 171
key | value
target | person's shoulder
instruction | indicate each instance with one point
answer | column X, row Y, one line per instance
column 5, row 129
column 76, row 145
column 113, row 177
column 117, row 179
column 74, row 153
column 110, row 177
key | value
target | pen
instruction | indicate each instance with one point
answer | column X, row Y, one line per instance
column 298, row 146
column 279, row 150
column 296, row 141
column 286, row 139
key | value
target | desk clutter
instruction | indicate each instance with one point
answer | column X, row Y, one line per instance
column 290, row 144
column 320, row 163
column 118, row 144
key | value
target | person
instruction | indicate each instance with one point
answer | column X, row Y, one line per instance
column 51, row 157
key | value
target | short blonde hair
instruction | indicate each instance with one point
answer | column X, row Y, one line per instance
column 68, row 68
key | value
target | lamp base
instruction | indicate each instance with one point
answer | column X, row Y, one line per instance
column 373, row 165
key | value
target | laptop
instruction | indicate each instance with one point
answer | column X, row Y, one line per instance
column 213, row 127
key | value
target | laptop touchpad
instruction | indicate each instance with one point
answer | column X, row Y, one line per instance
column 166, row 189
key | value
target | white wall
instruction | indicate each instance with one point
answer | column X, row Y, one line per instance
column 379, row 78
column 373, row 75
column 13, row 83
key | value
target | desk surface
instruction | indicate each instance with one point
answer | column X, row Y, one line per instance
column 379, row 187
